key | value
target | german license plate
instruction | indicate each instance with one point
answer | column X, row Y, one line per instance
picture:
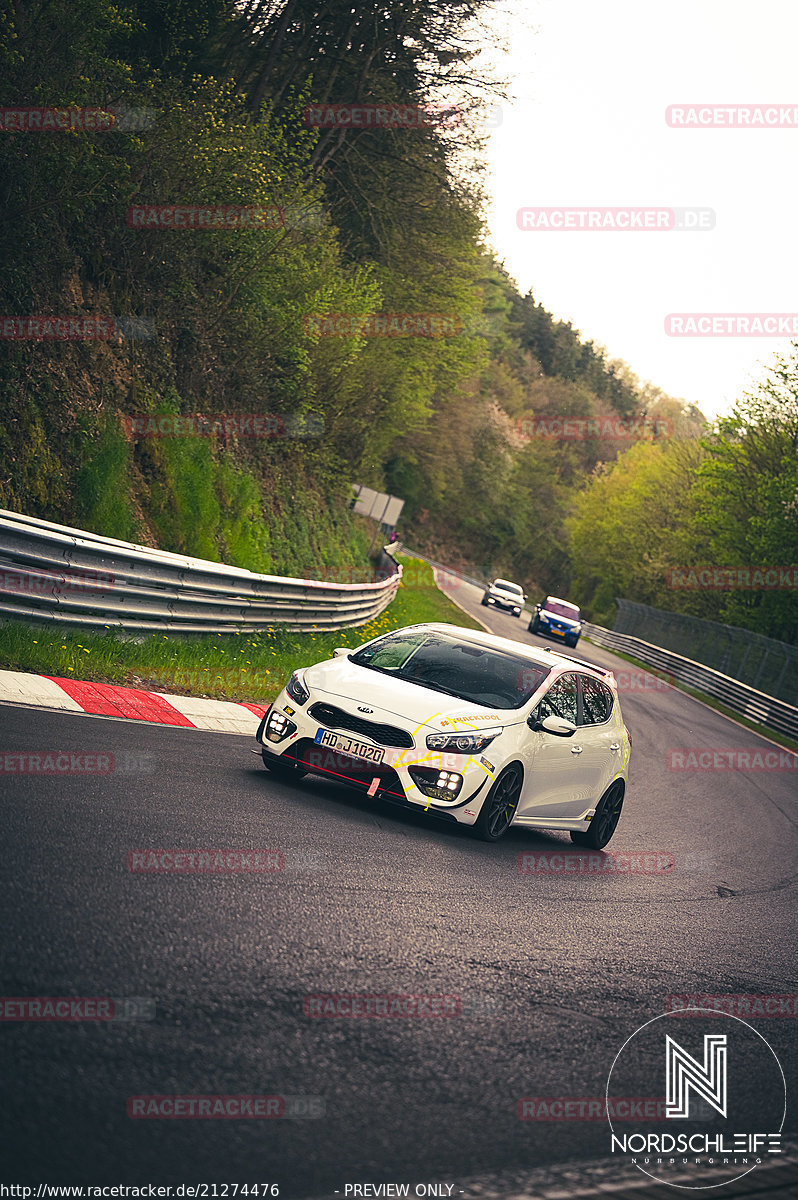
column 346, row 745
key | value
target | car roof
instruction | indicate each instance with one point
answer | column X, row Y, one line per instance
column 559, row 600
column 552, row 659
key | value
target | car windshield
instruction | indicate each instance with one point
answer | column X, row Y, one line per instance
column 508, row 587
column 480, row 674
column 560, row 608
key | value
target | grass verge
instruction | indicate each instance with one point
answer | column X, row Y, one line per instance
column 756, row 727
column 250, row 667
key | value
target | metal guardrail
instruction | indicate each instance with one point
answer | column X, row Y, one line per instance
column 760, row 662
column 67, row 576
column 739, row 697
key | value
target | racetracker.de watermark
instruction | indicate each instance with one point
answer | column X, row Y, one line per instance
column 630, row 679
column 254, row 425
column 198, row 679
column 380, row 116
column 388, row 324
column 693, row 324
column 589, row 1108
column 732, row 116
column 46, row 328
column 616, row 220
column 29, row 579
column 416, row 575
column 386, row 1005
column 205, row 862
column 737, row 1005
column 735, row 758
column 53, row 119
column 729, row 579
column 215, row 216
column 207, row 1107
column 67, row 762
column 583, row 429
column 56, row 762
column 76, row 1008
column 635, row 679
column 605, row 862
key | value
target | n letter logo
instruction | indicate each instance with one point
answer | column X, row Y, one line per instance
column 683, row 1072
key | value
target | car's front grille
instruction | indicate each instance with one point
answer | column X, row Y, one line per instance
column 336, row 718
column 358, row 774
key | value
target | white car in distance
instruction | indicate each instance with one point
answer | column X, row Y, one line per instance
column 460, row 724
column 504, row 594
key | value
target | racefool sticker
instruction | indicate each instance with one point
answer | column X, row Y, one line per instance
column 470, row 717
column 290, row 711
column 487, row 764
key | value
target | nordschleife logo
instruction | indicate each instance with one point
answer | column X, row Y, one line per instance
column 723, row 1094
column 683, row 1074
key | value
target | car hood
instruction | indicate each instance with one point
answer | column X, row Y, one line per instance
column 570, row 621
column 358, row 686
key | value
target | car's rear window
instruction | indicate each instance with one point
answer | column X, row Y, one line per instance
column 486, row 676
column 561, row 609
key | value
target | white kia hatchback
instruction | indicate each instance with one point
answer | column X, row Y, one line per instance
column 463, row 725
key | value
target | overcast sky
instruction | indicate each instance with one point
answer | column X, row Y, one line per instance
column 591, row 81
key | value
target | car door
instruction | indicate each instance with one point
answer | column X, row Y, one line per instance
column 553, row 780
column 597, row 736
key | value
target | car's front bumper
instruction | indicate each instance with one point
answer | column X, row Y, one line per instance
column 560, row 632
column 391, row 779
column 504, row 602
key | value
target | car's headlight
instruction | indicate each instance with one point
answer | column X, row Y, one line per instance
column 296, row 688
column 460, row 743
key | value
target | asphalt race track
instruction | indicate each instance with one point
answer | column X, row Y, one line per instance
column 553, row 971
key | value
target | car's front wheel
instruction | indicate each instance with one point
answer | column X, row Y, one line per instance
column 605, row 821
column 572, row 642
column 500, row 805
column 485, row 600
column 534, row 625
column 283, row 769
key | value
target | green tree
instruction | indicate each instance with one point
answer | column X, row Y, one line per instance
column 747, row 495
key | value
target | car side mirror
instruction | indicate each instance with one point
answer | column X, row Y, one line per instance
column 340, row 651
column 558, row 726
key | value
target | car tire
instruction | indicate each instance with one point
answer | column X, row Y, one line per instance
column 283, row 770
column 518, row 614
column 502, row 799
column 485, row 601
column 572, row 642
column 605, row 821
column 534, row 625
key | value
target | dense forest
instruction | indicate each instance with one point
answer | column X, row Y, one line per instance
column 519, row 446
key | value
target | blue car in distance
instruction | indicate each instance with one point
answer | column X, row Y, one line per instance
column 558, row 619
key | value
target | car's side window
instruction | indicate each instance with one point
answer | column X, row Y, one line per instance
column 596, row 701
column 560, row 700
